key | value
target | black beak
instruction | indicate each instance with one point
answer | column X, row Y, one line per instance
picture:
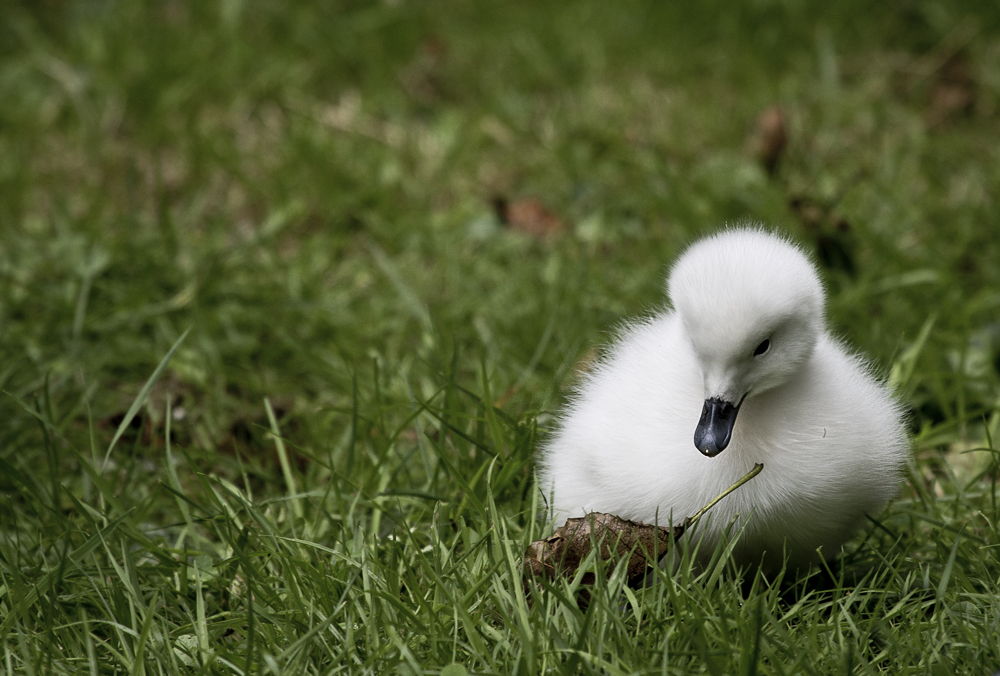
column 715, row 429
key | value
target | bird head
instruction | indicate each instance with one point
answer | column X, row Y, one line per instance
column 752, row 306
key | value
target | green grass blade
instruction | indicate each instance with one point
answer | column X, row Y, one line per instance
column 140, row 399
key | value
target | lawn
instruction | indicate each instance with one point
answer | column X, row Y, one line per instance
column 290, row 293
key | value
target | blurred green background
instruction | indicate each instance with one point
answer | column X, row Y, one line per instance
column 386, row 216
column 314, row 185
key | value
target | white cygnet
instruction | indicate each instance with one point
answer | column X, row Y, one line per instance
column 740, row 371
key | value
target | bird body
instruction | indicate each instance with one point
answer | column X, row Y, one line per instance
column 740, row 371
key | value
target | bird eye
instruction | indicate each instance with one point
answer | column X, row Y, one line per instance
column 762, row 348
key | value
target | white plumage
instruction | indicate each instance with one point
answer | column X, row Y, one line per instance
column 747, row 327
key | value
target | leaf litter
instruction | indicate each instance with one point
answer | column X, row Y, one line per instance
column 562, row 554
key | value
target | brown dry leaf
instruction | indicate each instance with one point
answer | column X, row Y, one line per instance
column 953, row 93
column 570, row 545
column 769, row 138
column 561, row 554
column 529, row 216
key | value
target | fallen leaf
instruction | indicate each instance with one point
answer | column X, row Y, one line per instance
column 769, row 138
column 953, row 92
column 569, row 546
column 529, row 216
column 645, row 544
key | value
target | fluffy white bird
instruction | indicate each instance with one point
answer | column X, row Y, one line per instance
column 740, row 371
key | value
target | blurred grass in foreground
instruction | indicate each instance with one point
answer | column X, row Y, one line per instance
column 394, row 231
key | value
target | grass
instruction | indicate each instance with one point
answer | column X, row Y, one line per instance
column 333, row 473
